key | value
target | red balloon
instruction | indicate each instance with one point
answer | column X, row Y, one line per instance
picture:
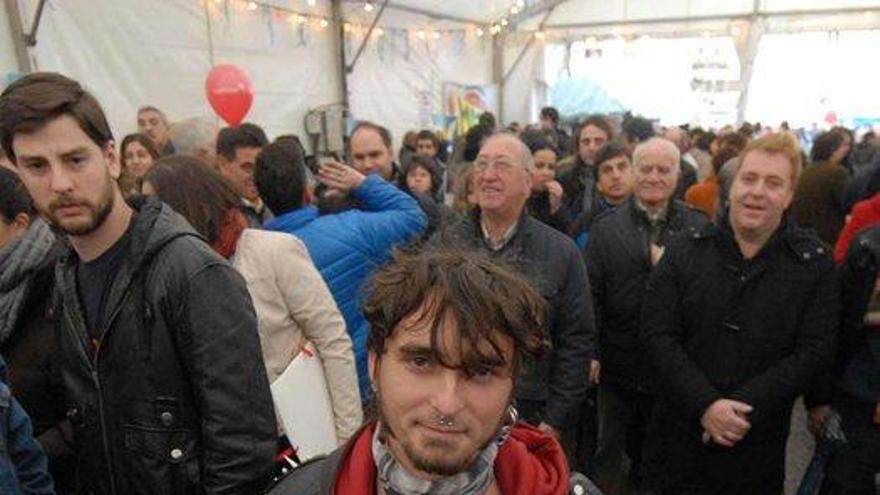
column 229, row 92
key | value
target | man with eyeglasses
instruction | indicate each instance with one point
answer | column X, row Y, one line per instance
column 550, row 389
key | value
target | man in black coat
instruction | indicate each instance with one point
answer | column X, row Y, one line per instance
column 549, row 390
column 737, row 321
column 625, row 244
column 160, row 358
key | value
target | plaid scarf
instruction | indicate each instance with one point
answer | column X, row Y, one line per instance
column 397, row 481
column 18, row 262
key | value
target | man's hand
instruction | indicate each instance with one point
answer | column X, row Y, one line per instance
column 554, row 192
column 595, row 371
column 549, row 430
column 816, row 417
column 725, row 422
column 340, row 176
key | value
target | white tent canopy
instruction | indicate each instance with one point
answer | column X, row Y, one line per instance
column 132, row 53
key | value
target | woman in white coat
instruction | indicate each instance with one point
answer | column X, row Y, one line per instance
column 292, row 302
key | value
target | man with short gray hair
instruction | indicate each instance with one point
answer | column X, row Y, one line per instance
column 625, row 244
column 195, row 137
column 550, row 389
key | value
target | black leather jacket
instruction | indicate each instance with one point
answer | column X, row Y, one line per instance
column 176, row 399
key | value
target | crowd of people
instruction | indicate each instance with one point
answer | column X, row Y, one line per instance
column 625, row 309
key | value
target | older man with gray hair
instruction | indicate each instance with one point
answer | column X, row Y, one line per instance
column 196, row 137
column 625, row 244
column 549, row 390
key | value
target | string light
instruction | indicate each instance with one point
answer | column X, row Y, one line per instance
column 379, row 32
column 539, row 35
column 421, row 34
column 301, row 19
column 323, row 23
column 311, row 3
column 480, row 32
column 504, row 22
column 435, row 35
column 515, row 9
column 252, row 6
column 368, row 6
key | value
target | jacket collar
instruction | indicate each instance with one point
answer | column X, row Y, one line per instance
column 292, row 220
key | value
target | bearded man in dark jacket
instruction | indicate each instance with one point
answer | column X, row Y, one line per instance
column 159, row 354
column 738, row 320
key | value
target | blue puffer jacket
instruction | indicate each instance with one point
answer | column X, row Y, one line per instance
column 347, row 246
column 24, row 468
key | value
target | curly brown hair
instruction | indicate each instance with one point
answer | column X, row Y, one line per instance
column 487, row 300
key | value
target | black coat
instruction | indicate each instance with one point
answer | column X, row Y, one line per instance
column 618, row 260
column 31, row 356
column 579, row 188
column 715, row 325
column 553, row 265
column 177, row 399
column 539, row 207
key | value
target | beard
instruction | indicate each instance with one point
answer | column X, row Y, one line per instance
column 97, row 213
column 439, row 465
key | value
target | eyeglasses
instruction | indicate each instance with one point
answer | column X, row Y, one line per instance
column 500, row 166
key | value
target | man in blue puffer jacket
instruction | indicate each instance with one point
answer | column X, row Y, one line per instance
column 353, row 229
column 24, row 468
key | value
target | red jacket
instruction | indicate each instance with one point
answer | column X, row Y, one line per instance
column 529, row 463
column 864, row 214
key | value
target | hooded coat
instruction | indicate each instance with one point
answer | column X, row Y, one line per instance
column 175, row 399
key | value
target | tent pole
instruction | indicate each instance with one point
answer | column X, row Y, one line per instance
column 22, row 57
column 350, row 67
column 339, row 41
column 498, row 71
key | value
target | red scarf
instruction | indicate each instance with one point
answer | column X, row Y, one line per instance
column 234, row 224
column 529, row 463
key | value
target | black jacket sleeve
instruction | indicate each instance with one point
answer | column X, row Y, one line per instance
column 573, row 341
column 662, row 336
column 221, row 348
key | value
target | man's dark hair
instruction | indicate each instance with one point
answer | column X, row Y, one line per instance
column 825, row 145
column 384, row 133
column 637, row 129
column 537, row 140
column 610, row 150
column 429, row 165
column 705, row 141
column 280, row 177
column 34, row 100
column 487, row 119
column 246, row 135
column 425, row 134
column 550, row 113
column 595, row 120
column 293, row 140
column 473, row 140
column 486, row 299
column 14, row 198
column 196, row 191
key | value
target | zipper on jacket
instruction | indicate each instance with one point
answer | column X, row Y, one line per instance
column 97, row 379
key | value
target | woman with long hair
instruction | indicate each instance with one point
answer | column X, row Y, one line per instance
column 292, row 302
column 137, row 154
